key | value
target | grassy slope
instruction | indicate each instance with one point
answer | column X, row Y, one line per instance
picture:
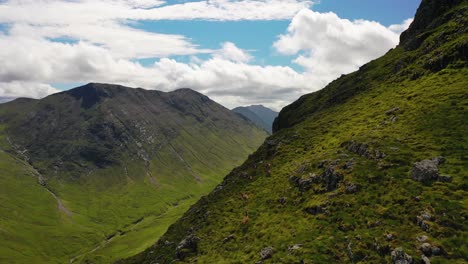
column 432, row 122
column 127, row 203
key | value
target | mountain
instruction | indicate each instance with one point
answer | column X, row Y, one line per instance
column 5, row 99
column 261, row 116
column 370, row 169
column 98, row 172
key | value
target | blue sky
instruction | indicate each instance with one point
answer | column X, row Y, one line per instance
column 257, row 36
column 238, row 52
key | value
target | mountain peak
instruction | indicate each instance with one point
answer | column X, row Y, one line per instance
column 430, row 14
column 92, row 93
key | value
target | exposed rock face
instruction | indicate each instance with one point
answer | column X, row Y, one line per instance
column 267, row 253
column 363, row 150
column 332, row 177
column 430, row 250
column 400, row 257
column 187, row 246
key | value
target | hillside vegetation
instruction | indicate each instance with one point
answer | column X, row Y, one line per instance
column 371, row 169
column 99, row 172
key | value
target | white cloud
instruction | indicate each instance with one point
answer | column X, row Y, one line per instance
column 329, row 46
column 103, row 47
column 399, row 28
column 16, row 89
column 230, row 51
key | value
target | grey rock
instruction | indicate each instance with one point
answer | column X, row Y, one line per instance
column 426, row 249
column 302, row 184
column 363, row 150
column 425, row 259
column 400, row 257
column 393, row 111
column 295, row 247
column 390, row 237
column 331, row 177
column 351, row 188
column 430, row 250
column 267, row 253
column 425, row 171
column 187, row 246
column 436, row 251
column 426, row 216
column 422, row 238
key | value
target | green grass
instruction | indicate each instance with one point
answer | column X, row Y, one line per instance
column 431, row 122
column 124, row 202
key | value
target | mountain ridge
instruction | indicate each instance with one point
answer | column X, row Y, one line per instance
column 354, row 172
column 259, row 114
column 97, row 172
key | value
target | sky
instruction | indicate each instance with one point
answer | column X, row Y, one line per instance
column 238, row 52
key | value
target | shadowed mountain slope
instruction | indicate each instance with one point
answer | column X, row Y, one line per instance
column 100, row 171
column 261, row 116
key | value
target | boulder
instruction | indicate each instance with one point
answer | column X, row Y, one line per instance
column 425, row 260
column 267, row 253
column 400, row 257
column 430, row 250
column 187, row 246
column 425, row 171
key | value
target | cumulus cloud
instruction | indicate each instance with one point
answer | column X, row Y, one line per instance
column 399, row 28
column 102, row 46
column 15, row 89
column 230, row 51
column 329, row 45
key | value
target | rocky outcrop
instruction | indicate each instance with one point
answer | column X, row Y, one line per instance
column 331, row 177
column 400, row 257
column 430, row 250
column 267, row 253
column 187, row 247
column 423, row 220
column 363, row 150
column 428, row 171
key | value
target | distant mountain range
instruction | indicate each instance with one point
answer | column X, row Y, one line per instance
column 371, row 169
column 98, row 172
column 261, row 116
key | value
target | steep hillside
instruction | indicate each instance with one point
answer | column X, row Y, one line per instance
column 259, row 115
column 371, row 169
column 100, row 171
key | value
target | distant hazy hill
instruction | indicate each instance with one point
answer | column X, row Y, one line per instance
column 259, row 115
column 100, row 171
column 5, row 99
column 371, row 169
